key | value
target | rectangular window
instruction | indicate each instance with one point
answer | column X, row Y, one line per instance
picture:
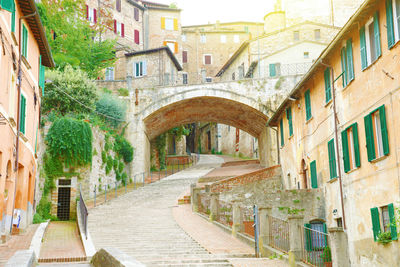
column 327, row 79
column 306, row 55
column 118, row 5
column 282, row 133
column 290, row 122
column 236, row 38
column 109, row 76
column 296, row 35
column 140, row 69
column 119, row 28
column 24, row 41
column 317, row 34
column 207, row 60
column 370, row 43
column 208, row 80
column 384, row 218
column 393, row 21
column 22, row 112
column 332, row 159
column 136, row 14
column 351, row 148
column 203, row 38
column 137, row 37
column 169, row 24
column 233, row 76
column 313, row 172
column 184, row 56
column 91, row 14
column 272, row 70
column 223, row 39
column 376, row 134
column 307, row 99
column 184, row 78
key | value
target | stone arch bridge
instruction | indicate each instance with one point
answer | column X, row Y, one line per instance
column 245, row 104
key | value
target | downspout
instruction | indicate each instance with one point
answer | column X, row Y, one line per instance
column 18, row 113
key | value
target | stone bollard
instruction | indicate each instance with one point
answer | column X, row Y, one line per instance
column 194, row 193
column 263, row 213
column 295, row 236
column 214, row 209
column 237, row 219
column 339, row 248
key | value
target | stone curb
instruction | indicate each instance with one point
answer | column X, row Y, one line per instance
column 37, row 238
column 22, row 258
column 87, row 241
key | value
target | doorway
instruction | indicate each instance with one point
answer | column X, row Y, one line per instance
column 63, row 205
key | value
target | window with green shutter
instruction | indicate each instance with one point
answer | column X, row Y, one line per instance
column 22, row 114
column 282, row 134
column 290, row 122
column 351, row 148
column 24, row 41
column 350, row 63
column 392, row 218
column 332, row 159
column 41, row 75
column 328, row 91
column 307, row 99
column 272, row 70
column 376, row 134
column 370, row 41
column 376, row 225
column 389, row 23
column 313, row 172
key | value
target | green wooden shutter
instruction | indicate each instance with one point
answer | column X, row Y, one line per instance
column 350, row 63
column 7, row 5
column 389, row 23
column 377, row 35
column 22, row 111
column 384, row 131
column 289, row 118
column 356, row 145
column 282, row 135
column 376, row 225
column 344, row 66
column 307, row 236
column 13, row 18
column 307, row 99
column 328, row 93
column 345, row 146
column 369, row 137
column 393, row 227
column 332, row 159
column 325, row 231
column 24, row 41
column 363, row 48
column 272, row 70
column 313, row 171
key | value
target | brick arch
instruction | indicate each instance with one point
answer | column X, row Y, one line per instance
column 243, row 114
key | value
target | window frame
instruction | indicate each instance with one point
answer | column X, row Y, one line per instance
column 185, row 78
column 204, row 59
column 366, row 42
column 378, row 221
column 392, row 22
column 375, row 136
column 107, row 73
column 141, row 71
column 351, row 148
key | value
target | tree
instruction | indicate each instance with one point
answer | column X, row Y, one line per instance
column 73, row 39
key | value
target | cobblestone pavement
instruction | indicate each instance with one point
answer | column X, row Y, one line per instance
column 141, row 224
column 17, row 242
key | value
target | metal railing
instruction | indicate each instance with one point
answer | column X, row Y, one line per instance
column 315, row 247
column 204, row 204
column 278, row 234
column 225, row 213
column 248, row 220
column 83, row 212
column 108, row 191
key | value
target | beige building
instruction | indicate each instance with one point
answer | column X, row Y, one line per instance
column 338, row 131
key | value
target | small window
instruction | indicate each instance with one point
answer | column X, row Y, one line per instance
column 339, row 222
column 183, row 37
column 296, row 35
column 383, row 218
column 223, row 39
column 140, row 68
column 208, row 80
column 351, row 150
column 137, row 37
column 119, row 28
column 207, row 59
column 91, row 14
column 376, row 134
column 184, row 78
column 184, row 56
column 306, row 55
column 393, row 21
column 109, row 76
column 370, row 43
column 233, row 76
column 203, row 38
column 118, row 5
column 317, row 34
column 272, row 70
column 236, row 38
column 169, row 24
column 136, row 14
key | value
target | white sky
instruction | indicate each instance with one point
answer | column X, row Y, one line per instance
column 204, row 11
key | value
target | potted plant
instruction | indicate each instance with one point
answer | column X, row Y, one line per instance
column 326, row 256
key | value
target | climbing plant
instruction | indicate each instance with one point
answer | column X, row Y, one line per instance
column 161, row 143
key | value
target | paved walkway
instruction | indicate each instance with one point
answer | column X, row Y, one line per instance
column 17, row 242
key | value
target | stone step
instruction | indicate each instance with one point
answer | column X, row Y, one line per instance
column 193, row 264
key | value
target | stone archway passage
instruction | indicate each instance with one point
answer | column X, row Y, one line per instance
column 205, row 109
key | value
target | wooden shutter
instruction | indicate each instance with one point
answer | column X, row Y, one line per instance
column 389, row 23
column 24, row 41
column 22, row 111
column 307, row 99
column 384, row 131
column 325, row 229
column 350, row 63
column 328, row 93
column 87, row 12
column 136, row 69
column 356, row 145
column 377, row 35
column 95, row 15
column 115, row 26
column 165, row 43
column 369, row 137
column 175, row 24
column 332, row 159
column 307, row 236
column 137, row 38
column 345, row 146
column 376, row 225
column 272, row 70
column 162, row 22
column 122, row 30
column 177, row 48
column 313, row 172
column 207, row 59
column 393, row 228
column 363, row 48
column 282, row 134
column 184, row 56
column 136, row 12
column 289, row 118
column 344, row 66
column 13, row 18
column 7, row 5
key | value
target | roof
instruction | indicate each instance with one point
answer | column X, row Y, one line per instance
column 358, row 15
column 154, row 5
column 240, row 49
column 154, row 50
column 35, row 24
column 136, row 4
column 225, row 23
column 225, row 31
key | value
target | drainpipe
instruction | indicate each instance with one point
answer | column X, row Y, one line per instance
column 18, row 113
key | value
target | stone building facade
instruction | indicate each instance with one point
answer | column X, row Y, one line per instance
column 20, row 109
column 338, row 131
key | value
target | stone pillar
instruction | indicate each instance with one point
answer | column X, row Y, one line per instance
column 267, row 148
column 214, row 209
column 138, row 138
column 237, row 219
column 339, row 247
column 263, row 213
column 194, row 192
column 295, row 236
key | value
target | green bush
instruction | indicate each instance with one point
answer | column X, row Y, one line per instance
column 123, row 92
column 123, row 148
column 110, row 164
column 115, row 164
column 104, row 156
column 124, row 178
column 121, row 167
column 113, row 108
column 37, row 218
